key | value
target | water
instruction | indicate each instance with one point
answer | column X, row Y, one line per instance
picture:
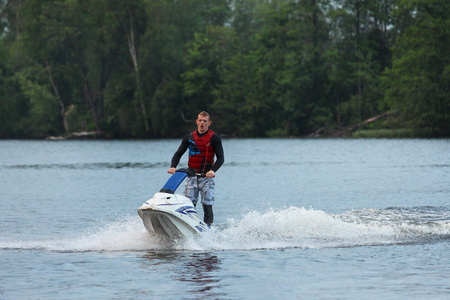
column 294, row 219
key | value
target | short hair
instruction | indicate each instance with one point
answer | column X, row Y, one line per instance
column 204, row 114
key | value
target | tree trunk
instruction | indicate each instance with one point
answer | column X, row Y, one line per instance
column 62, row 110
column 89, row 96
column 358, row 40
column 133, row 53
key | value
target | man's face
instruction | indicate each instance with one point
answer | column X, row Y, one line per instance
column 203, row 123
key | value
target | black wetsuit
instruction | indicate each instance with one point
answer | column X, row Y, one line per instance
column 216, row 144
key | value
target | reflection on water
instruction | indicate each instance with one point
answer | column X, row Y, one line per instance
column 145, row 165
column 199, row 270
column 91, row 166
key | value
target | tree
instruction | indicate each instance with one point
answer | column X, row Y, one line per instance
column 359, row 52
column 292, row 40
column 206, row 53
column 75, row 35
column 238, row 105
column 144, row 68
column 12, row 103
column 417, row 83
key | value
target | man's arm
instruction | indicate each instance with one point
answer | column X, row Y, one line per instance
column 178, row 154
column 216, row 143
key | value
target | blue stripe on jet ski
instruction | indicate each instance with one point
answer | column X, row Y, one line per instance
column 186, row 210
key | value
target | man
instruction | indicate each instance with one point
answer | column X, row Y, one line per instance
column 203, row 145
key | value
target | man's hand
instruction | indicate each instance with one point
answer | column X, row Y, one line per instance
column 210, row 174
column 171, row 171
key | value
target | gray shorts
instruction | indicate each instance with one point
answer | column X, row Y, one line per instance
column 204, row 186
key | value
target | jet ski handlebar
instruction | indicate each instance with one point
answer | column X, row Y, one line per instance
column 191, row 172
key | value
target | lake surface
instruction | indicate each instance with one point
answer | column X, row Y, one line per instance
column 294, row 219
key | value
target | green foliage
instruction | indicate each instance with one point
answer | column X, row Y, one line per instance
column 205, row 57
column 238, row 104
column 11, row 103
column 144, row 69
column 417, row 84
column 42, row 119
column 359, row 54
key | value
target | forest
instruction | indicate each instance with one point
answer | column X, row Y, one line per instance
column 123, row 69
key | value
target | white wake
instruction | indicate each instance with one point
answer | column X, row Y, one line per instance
column 292, row 227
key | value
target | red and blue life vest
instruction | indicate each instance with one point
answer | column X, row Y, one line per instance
column 201, row 154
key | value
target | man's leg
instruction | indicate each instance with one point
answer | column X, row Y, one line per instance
column 207, row 186
column 209, row 215
column 191, row 190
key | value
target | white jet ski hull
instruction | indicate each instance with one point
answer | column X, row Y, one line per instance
column 171, row 216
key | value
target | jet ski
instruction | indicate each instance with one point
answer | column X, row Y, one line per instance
column 169, row 215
